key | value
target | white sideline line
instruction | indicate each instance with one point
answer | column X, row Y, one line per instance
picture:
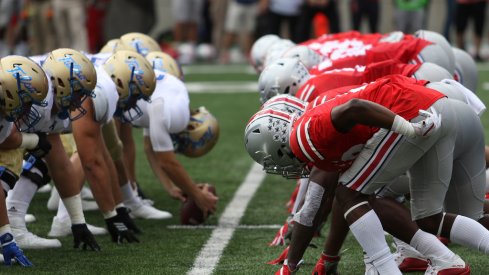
column 241, row 226
column 210, row 254
column 222, row 87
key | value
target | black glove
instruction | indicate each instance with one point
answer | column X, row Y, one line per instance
column 81, row 234
column 42, row 148
column 123, row 213
column 119, row 231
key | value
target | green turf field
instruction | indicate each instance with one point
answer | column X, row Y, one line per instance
column 166, row 250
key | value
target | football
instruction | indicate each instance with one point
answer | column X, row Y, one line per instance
column 190, row 213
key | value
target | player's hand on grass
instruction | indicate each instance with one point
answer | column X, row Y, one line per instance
column 81, row 235
column 119, row 231
column 123, row 214
column 11, row 251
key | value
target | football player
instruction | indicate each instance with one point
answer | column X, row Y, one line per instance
column 356, row 209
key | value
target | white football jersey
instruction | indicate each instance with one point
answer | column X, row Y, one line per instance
column 98, row 58
column 106, row 96
column 167, row 113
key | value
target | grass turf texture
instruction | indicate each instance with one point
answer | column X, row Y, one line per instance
column 172, row 251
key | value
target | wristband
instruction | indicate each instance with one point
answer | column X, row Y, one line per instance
column 29, row 141
column 403, row 127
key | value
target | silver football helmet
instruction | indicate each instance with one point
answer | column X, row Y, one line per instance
column 431, row 72
column 284, row 76
column 286, row 103
column 433, row 54
column 465, row 69
column 267, row 142
column 277, row 50
column 259, row 50
column 306, row 55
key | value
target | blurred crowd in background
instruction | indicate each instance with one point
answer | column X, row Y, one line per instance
column 224, row 30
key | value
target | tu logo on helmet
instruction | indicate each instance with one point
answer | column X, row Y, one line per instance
column 24, row 79
column 139, row 46
column 138, row 72
column 77, row 68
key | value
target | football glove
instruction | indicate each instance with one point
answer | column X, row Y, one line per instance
column 119, row 231
column 429, row 125
column 42, row 148
column 81, row 234
column 123, row 213
column 11, row 251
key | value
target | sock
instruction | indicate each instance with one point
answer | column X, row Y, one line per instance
column 74, row 208
column 470, row 233
column 62, row 211
column 429, row 246
column 304, row 183
column 370, row 235
column 130, row 199
column 18, row 201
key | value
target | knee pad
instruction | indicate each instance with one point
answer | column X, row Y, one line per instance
column 8, row 179
column 36, row 170
column 312, row 202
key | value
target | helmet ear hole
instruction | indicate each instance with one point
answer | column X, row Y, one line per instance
column 256, row 131
column 9, row 94
column 61, row 83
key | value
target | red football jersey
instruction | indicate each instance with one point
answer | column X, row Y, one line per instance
column 333, row 79
column 315, row 139
column 406, row 51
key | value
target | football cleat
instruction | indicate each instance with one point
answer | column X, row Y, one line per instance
column 62, row 228
column 150, row 213
column 327, row 265
column 45, row 188
column 279, row 238
column 281, row 259
column 453, row 266
column 409, row 259
column 285, row 270
column 28, row 240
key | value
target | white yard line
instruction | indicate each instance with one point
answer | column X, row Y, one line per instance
column 209, row 255
column 222, row 87
column 241, row 226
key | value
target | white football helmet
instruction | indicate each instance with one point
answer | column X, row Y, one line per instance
column 465, row 69
column 446, row 58
column 200, row 136
column 284, row 76
column 286, row 103
column 267, row 142
column 259, row 50
column 138, row 42
column 451, row 91
column 306, row 55
column 22, row 84
column 431, row 72
column 277, row 50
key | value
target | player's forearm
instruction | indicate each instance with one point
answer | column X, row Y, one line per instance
column 97, row 175
column 176, row 172
column 358, row 111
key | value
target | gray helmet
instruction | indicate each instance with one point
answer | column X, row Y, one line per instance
column 433, row 54
column 306, row 55
column 259, row 50
column 450, row 91
column 277, row 49
column 431, row 72
column 283, row 76
column 465, row 69
column 267, row 142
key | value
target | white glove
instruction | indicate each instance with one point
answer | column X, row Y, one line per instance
column 429, row 125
